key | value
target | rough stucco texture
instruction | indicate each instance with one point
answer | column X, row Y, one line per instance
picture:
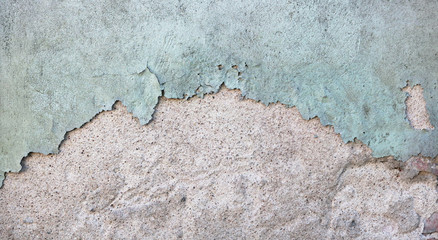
column 214, row 168
column 61, row 62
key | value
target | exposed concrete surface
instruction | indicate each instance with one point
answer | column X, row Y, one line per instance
column 416, row 108
column 214, row 168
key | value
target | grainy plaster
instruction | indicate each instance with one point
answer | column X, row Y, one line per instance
column 215, row 168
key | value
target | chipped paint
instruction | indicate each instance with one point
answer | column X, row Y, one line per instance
column 63, row 62
column 416, row 108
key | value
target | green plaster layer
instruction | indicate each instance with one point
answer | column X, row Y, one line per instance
column 61, row 62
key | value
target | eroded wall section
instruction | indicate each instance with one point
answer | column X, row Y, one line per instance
column 62, row 62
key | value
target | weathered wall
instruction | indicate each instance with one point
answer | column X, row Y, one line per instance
column 219, row 167
column 214, row 168
column 61, row 62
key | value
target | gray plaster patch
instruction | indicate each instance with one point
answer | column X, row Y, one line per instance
column 61, row 62
column 403, row 213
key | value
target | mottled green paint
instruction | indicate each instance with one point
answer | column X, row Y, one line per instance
column 61, row 62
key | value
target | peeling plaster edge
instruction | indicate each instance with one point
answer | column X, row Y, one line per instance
column 221, row 87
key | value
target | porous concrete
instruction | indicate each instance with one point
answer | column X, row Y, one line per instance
column 416, row 110
column 215, row 168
